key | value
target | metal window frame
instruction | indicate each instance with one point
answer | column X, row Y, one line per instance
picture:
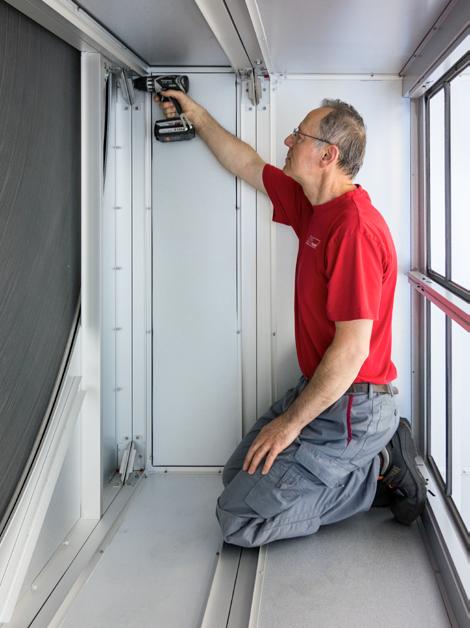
column 445, row 487
column 441, row 291
column 443, row 84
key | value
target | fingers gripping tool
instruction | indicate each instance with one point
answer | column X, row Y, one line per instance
column 169, row 129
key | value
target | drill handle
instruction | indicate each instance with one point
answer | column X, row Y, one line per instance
column 174, row 102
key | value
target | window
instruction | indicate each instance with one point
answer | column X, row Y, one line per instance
column 437, row 369
column 448, row 168
column 446, row 288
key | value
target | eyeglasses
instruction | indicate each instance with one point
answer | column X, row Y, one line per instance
column 296, row 134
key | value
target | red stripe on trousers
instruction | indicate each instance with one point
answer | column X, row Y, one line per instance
column 348, row 417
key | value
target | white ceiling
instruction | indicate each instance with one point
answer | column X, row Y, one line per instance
column 345, row 36
column 303, row 36
column 161, row 32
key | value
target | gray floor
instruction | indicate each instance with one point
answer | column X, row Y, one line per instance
column 363, row 572
column 157, row 571
column 158, row 568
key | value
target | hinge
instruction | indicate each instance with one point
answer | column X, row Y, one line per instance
column 254, row 85
column 127, row 462
column 127, row 88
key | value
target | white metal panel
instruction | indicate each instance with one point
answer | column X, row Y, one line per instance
column 122, row 270
column 197, row 387
column 385, row 175
column 108, row 366
column 64, row 509
column 141, row 276
column 163, row 32
column 24, row 526
column 264, row 227
column 247, row 197
column 91, row 308
column 364, row 36
column 221, row 24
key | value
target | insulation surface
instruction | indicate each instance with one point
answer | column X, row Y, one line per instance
column 39, row 230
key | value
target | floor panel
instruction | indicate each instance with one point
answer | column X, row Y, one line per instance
column 158, row 568
column 363, row 572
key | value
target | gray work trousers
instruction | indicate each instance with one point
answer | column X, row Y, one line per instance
column 327, row 474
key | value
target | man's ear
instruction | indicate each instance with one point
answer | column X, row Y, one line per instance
column 330, row 155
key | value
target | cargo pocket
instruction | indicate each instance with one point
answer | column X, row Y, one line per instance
column 333, row 472
column 275, row 492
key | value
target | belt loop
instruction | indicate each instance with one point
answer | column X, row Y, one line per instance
column 390, row 388
column 371, row 390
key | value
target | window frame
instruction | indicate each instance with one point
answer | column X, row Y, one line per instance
column 443, row 84
column 433, row 288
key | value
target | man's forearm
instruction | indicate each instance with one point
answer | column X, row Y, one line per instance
column 335, row 373
column 232, row 153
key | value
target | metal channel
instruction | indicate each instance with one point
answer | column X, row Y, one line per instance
column 231, row 593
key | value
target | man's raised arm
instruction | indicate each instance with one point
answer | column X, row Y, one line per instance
column 236, row 156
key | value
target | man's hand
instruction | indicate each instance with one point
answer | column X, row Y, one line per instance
column 194, row 111
column 272, row 439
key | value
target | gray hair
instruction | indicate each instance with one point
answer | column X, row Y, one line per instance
column 345, row 128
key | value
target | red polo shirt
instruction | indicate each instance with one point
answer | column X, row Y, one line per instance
column 346, row 269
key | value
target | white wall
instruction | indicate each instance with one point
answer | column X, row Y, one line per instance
column 385, row 175
column 196, row 352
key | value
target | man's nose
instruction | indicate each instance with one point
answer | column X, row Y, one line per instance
column 289, row 141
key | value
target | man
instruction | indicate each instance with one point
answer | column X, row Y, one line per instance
column 315, row 457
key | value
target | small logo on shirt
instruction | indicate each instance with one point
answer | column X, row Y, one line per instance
column 312, row 241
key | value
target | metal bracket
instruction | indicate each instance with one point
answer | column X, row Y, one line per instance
column 127, row 88
column 127, row 462
column 254, row 85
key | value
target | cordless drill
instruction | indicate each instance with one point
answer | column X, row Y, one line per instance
column 169, row 129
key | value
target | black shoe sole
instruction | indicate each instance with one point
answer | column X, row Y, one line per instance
column 404, row 511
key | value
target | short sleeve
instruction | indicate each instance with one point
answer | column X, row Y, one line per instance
column 354, row 270
column 284, row 194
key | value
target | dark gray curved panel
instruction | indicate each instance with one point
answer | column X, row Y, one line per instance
column 39, row 230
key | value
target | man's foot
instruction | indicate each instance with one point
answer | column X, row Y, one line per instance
column 402, row 482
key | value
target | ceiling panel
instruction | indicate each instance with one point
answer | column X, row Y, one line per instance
column 161, row 32
column 345, row 36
